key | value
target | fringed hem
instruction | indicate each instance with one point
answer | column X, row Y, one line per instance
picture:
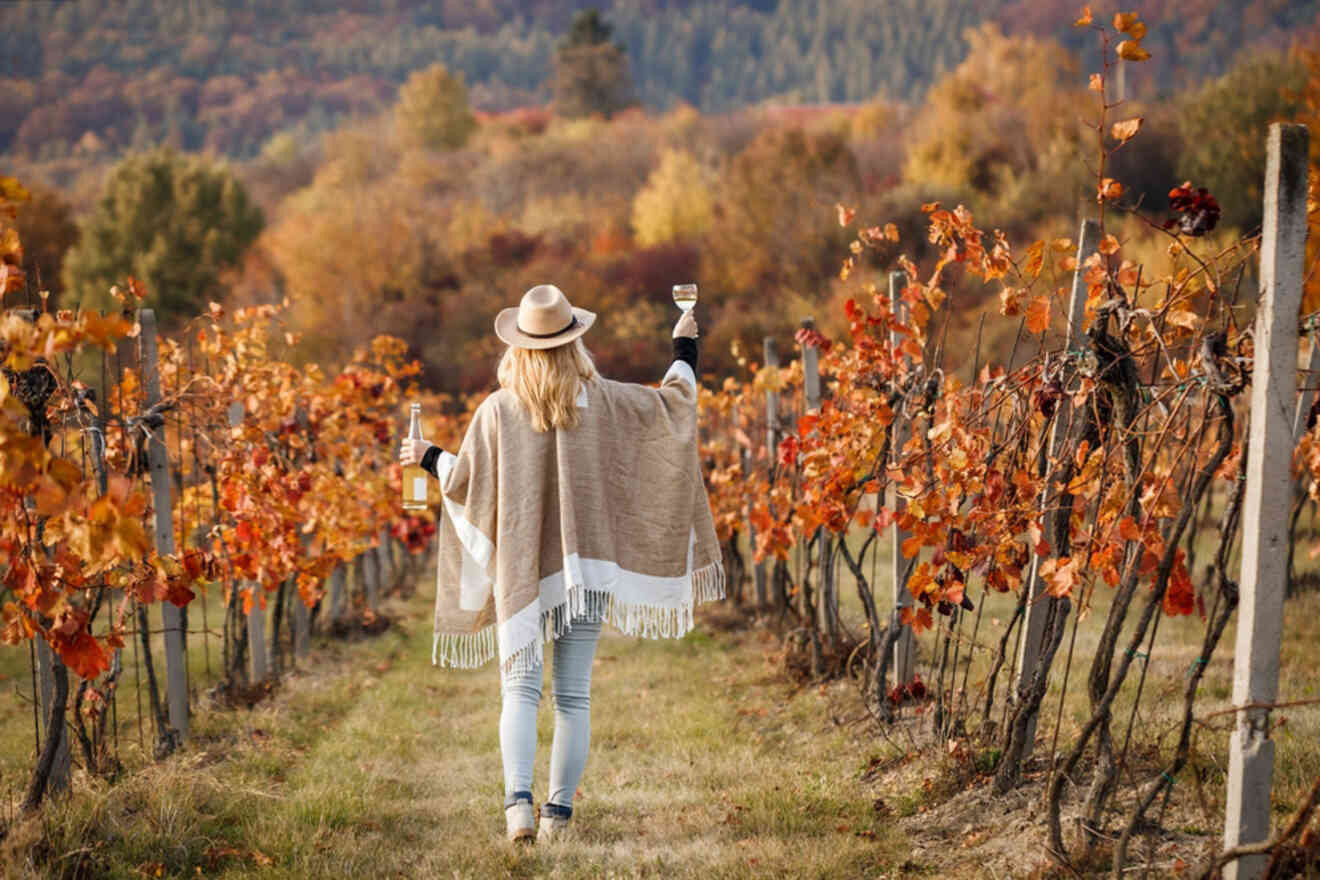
column 464, row 650
column 708, row 582
column 646, row 621
column 469, row 650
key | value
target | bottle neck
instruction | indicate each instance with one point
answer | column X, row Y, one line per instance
column 415, row 423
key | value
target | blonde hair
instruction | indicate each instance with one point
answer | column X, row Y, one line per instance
column 546, row 380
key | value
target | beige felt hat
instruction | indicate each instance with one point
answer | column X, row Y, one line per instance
column 544, row 319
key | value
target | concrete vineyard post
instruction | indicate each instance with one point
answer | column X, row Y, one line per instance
column 1268, row 497
column 777, row 579
column 905, row 645
column 258, row 662
column 1031, row 644
column 172, row 616
column 827, row 601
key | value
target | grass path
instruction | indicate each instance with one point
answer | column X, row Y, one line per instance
column 373, row 763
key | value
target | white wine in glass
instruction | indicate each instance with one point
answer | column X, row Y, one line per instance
column 685, row 296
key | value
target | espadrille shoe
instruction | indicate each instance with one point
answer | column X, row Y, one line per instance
column 554, row 828
column 520, row 821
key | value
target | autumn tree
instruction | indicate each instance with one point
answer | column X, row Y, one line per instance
column 591, row 73
column 432, row 111
column 1003, row 124
column 773, row 252
column 47, row 230
column 387, row 265
column 776, row 213
column 345, row 270
column 1223, row 127
column 676, row 202
column 174, row 222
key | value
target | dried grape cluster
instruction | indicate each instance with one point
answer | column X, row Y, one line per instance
column 1196, row 209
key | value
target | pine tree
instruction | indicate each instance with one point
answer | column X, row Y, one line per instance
column 591, row 73
column 174, row 222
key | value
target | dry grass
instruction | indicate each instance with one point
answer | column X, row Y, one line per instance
column 958, row 829
column 705, row 763
column 376, row 764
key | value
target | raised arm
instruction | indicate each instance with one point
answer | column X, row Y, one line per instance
column 686, row 350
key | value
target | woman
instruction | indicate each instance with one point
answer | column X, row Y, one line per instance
column 573, row 499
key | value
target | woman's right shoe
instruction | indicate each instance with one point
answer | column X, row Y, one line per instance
column 553, row 828
column 520, row 822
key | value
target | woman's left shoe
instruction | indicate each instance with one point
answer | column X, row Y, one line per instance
column 520, row 821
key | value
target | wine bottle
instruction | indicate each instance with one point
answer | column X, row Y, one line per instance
column 414, row 478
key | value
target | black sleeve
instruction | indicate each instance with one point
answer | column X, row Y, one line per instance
column 685, row 349
column 429, row 458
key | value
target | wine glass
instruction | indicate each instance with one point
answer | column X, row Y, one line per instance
column 685, row 296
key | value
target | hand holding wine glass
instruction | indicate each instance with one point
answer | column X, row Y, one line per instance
column 686, row 326
column 685, row 297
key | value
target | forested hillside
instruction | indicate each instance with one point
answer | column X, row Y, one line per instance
column 86, row 77
column 420, row 218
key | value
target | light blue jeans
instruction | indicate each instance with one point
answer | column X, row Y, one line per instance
column 571, row 679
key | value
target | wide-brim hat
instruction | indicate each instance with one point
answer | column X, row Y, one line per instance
column 544, row 319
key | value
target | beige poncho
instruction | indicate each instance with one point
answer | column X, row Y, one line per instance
column 610, row 518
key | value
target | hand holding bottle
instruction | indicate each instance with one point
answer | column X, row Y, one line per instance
column 412, row 450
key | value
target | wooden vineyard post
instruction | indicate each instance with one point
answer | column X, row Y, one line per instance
column 338, row 600
column 359, row 577
column 1268, row 498
column 58, row 779
column 905, row 645
column 258, row 662
column 1307, row 397
column 771, row 402
column 302, row 631
column 827, row 599
column 301, row 625
column 1031, row 646
column 51, row 689
column 173, row 621
column 758, row 569
column 1305, row 400
column 371, row 577
column 302, row 628
column 389, row 575
column 771, row 359
column 399, row 555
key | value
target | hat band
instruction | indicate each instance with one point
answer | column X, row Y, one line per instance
column 572, row 322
